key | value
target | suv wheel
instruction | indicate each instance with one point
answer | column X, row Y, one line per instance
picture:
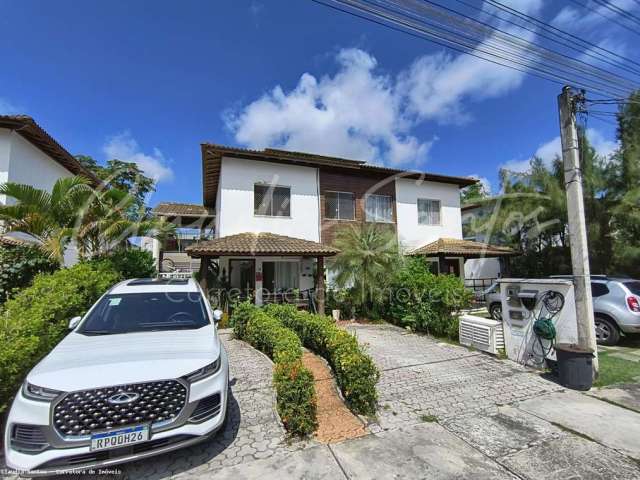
column 495, row 311
column 606, row 331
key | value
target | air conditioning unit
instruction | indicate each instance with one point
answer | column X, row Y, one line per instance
column 480, row 333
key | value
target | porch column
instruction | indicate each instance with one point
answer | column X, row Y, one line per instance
column 320, row 285
column 204, row 263
column 442, row 265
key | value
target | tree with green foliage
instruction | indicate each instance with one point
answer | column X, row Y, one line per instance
column 368, row 254
column 19, row 264
column 97, row 220
column 48, row 217
column 124, row 176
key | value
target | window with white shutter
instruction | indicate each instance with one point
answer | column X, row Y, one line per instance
column 428, row 211
column 378, row 208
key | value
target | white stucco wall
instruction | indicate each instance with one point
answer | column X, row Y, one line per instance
column 29, row 165
column 235, row 202
column 482, row 268
column 21, row 162
column 5, row 152
column 410, row 233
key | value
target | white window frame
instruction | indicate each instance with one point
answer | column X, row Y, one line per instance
column 376, row 220
column 270, row 189
column 439, row 211
column 353, row 199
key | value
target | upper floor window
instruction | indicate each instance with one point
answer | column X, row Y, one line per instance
column 428, row 212
column 378, row 208
column 340, row 205
column 271, row 201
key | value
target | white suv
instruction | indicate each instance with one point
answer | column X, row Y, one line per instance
column 142, row 373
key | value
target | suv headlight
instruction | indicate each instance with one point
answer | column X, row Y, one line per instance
column 33, row 392
column 204, row 372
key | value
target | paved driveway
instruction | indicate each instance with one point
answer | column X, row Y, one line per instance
column 421, row 376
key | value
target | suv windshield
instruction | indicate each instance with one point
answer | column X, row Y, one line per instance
column 634, row 287
column 142, row 312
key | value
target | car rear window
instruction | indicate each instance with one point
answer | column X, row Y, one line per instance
column 143, row 312
column 634, row 287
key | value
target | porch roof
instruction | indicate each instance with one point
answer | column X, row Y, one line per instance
column 173, row 209
column 259, row 245
column 463, row 248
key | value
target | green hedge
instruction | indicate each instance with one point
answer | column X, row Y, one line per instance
column 426, row 302
column 37, row 318
column 294, row 383
column 355, row 372
column 19, row 265
column 130, row 262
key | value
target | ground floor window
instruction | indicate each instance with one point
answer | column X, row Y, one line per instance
column 280, row 276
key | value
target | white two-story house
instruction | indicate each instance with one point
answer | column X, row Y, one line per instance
column 29, row 155
column 275, row 215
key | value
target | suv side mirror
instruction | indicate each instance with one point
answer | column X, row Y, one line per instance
column 217, row 316
column 73, row 323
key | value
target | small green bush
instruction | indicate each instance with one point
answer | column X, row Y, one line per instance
column 19, row 265
column 130, row 262
column 36, row 319
column 426, row 302
column 356, row 373
column 294, row 383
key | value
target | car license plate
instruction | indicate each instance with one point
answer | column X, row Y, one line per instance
column 119, row 438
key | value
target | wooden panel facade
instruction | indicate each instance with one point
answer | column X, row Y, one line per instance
column 360, row 184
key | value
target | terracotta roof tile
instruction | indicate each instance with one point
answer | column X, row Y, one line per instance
column 37, row 136
column 259, row 244
column 454, row 246
column 181, row 209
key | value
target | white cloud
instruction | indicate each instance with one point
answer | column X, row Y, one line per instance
column 354, row 114
column 368, row 115
column 125, row 148
column 548, row 151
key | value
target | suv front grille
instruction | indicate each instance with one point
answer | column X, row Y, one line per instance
column 87, row 411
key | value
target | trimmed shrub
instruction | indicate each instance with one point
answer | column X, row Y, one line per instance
column 36, row 319
column 130, row 262
column 294, row 383
column 355, row 372
column 19, row 265
column 426, row 302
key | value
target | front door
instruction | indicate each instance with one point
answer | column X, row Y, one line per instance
column 242, row 276
column 452, row 266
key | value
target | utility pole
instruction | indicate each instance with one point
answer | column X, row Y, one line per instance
column 567, row 103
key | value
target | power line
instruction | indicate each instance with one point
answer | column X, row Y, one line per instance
column 576, row 44
column 611, row 19
column 499, row 49
column 508, row 38
column 620, row 11
column 547, row 26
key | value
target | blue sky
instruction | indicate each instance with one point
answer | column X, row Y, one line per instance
column 149, row 81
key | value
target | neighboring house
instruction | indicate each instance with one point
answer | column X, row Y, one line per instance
column 276, row 214
column 474, row 216
column 29, row 155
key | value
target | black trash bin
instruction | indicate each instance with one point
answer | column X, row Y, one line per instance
column 575, row 366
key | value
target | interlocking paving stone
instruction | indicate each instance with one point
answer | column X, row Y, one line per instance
column 422, row 376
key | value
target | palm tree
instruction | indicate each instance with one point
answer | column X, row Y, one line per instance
column 97, row 220
column 48, row 217
column 368, row 255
